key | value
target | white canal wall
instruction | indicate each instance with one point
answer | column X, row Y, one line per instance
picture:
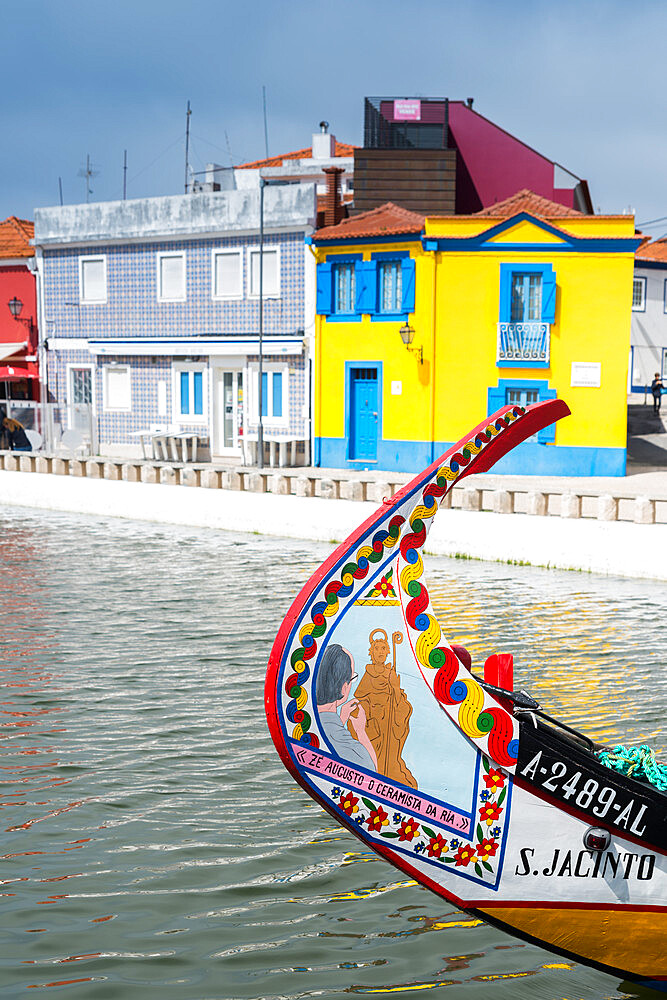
column 619, row 548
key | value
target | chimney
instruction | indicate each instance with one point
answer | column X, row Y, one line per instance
column 324, row 144
column 333, row 209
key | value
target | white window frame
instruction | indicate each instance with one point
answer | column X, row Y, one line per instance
column 252, row 414
column 105, row 388
column 92, row 302
column 158, row 265
column 228, row 252
column 642, row 306
column 186, row 419
column 267, row 249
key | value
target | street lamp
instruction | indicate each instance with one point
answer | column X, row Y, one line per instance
column 407, row 335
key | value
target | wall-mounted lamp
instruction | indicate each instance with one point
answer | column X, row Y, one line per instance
column 15, row 307
column 407, row 334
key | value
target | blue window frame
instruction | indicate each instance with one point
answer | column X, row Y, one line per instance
column 272, row 394
column 344, row 288
column 390, row 285
column 523, row 392
column 526, row 303
column 639, row 294
column 189, row 393
column 527, row 293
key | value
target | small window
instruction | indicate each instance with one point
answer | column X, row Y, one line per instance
column 275, row 406
column 93, row 279
column 117, row 388
column 271, row 281
column 390, row 274
column 526, row 298
column 639, row 294
column 189, row 394
column 521, row 397
column 171, row 277
column 227, row 274
column 344, row 287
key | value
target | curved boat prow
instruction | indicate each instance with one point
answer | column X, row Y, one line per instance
column 435, row 770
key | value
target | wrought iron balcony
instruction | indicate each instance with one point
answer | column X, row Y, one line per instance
column 524, row 344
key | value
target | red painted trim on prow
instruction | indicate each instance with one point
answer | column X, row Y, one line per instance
column 537, row 416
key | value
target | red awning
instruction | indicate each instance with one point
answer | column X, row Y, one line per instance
column 13, row 373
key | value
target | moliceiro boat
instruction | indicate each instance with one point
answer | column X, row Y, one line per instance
column 463, row 783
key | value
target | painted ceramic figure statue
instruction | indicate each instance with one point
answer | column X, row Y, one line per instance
column 387, row 708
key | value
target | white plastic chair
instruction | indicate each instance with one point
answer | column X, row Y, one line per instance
column 35, row 439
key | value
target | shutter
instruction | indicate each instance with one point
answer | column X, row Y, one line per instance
column 408, row 286
column 549, row 297
column 548, row 434
column 495, row 400
column 505, row 301
column 365, row 275
column 324, row 289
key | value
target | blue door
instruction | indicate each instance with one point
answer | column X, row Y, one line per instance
column 363, row 414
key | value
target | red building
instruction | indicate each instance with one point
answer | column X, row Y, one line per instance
column 19, row 370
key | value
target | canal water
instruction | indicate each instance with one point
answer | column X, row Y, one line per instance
column 153, row 846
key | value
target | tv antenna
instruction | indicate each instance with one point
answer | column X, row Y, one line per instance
column 187, row 145
column 88, row 172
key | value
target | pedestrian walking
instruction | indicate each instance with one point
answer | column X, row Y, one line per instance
column 656, row 389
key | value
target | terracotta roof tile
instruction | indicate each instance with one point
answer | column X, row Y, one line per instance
column 652, row 251
column 528, row 201
column 340, row 149
column 15, row 236
column 385, row 220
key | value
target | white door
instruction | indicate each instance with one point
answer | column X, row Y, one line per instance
column 229, row 407
column 80, row 398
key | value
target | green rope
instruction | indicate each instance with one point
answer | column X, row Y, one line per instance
column 636, row 762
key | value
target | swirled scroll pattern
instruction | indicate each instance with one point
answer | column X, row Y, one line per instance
column 321, row 613
column 476, row 720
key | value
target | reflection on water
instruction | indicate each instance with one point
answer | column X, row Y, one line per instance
column 152, row 843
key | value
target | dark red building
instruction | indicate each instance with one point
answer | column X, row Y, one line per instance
column 19, row 369
column 440, row 157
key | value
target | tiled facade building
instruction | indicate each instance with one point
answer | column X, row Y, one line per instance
column 150, row 314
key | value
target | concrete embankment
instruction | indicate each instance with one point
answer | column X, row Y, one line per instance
column 612, row 547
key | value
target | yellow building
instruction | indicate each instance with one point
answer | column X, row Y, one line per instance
column 425, row 326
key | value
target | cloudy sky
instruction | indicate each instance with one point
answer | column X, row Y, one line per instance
column 582, row 82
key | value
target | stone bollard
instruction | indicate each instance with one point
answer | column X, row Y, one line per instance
column 607, row 507
column 43, row 464
column 305, row 486
column 352, row 489
column 27, row 463
column 446, row 502
column 112, row 470
column 536, row 503
column 94, row 468
column 279, row 484
column 190, row 476
column 76, row 467
column 210, row 478
column 231, row 480
column 644, row 512
column 150, row 474
column 570, row 505
column 378, row 492
column 60, row 466
column 328, row 489
column 471, row 499
column 11, row 463
column 130, row 472
column 168, row 475
column 502, row 502
column 256, row 482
